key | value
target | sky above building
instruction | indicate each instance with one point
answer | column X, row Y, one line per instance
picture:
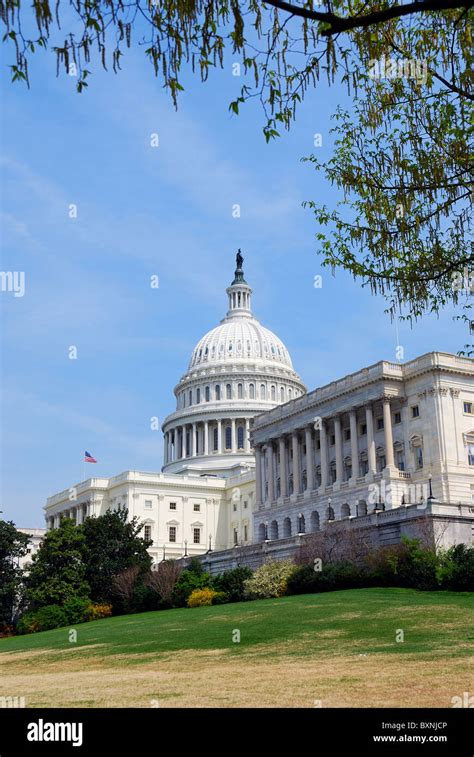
column 92, row 351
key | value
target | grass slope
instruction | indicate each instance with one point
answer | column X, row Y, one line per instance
column 339, row 648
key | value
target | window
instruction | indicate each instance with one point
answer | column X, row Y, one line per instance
column 172, row 533
column 234, row 507
column 379, row 424
column 400, row 459
column 333, row 440
column 273, row 395
column 218, row 392
column 198, row 396
column 228, row 391
column 347, row 434
column 290, row 393
column 148, row 504
column 246, row 533
column 415, row 411
column 468, row 407
column 208, row 394
column 240, row 391
column 245, row 505
column 216, row 439
column 196, row 535
column 147, row 533
column 236, row 537
column 240, row 437
column 197, row 507
column 228, row 438
column 282, row 394
column 419, row 457
column 333, row 475
column 363, row 429
column 191, row 397
column 172, row 505
column 262, row 392
column 252, row 391
column 397, row 417
column 364, row 467
column 470, row 454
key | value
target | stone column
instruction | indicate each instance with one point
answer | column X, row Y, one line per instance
column 271, row 486
column 283, row 481
column 324, row 455
column 258, row 475
column 309, row 459
column 369, row 417
column 165, row 448
column 387, row 427
column 206, row 437
column 338, row 440
column 296, row 463
column 354, row 445
column 219, row 436
column 247, row 435
column 233, row 444
column 183, row 441
column 193, row 440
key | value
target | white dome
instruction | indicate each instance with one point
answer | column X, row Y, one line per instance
column 240, row 339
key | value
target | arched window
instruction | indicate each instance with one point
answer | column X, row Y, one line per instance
column 198, row 396
column 191, row 397
column 273, row 393
column 282, row 394
column 218, row 392
column 262, row 392
column 240, row 391
column 286, row 528
column 183, row 399
column 274, row 529
column 228, row 438
column 345, row 510
column 290, row 393
column 216, row 439
column 252, row 391
column 240, row 437
column 228, row 391
column 314, row 521
column 208, row 394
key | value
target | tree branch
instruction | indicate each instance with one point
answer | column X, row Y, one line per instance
column 338, row 24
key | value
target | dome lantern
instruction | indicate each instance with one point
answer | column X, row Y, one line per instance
column 239, row 292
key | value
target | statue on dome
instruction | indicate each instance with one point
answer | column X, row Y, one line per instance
column 239, row 259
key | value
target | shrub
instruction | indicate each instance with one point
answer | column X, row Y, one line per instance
column 76, row 610
column 269, row 580
column 232, row 583
column 50, row 616
column 340, row 575
column 188, row 581
column 457, row 568
column 202, row 597
column 97, row 611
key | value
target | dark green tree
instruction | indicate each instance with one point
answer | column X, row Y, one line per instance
column 13, row 545
column 57, row 571
column 111, row 546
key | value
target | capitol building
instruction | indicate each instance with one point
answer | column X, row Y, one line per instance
column 253, row 461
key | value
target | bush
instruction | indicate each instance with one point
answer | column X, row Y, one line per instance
column 44, row 619
column 188, row 581
column 340, row 575
column 202, row 597
column 231, row 582
column 77, row 610
column 457, row 568
column 97, row 611
column 269, row 580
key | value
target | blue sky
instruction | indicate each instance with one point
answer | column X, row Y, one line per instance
column 165, row 211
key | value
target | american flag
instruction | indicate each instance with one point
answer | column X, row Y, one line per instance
column 88, row 458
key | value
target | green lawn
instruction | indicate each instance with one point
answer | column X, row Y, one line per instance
column 330, row 633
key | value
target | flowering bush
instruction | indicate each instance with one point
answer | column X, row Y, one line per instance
column 202, row 597
column 269, row 580
column 97, row 611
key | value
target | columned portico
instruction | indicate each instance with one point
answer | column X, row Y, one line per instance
column 283, row 467
column 372, row 459
column 309, row 459
column 295, row 446
column 324, row 456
